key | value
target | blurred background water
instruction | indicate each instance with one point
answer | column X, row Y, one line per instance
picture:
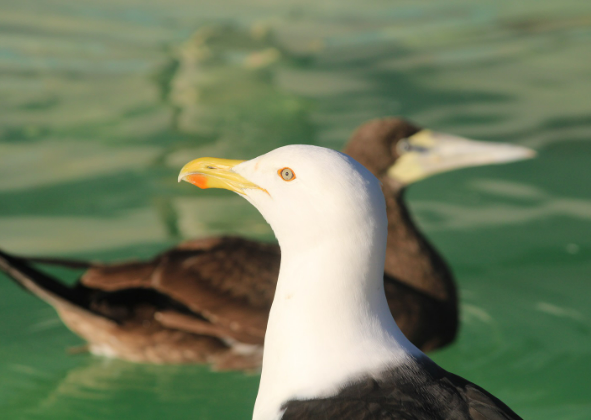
column 102, row 102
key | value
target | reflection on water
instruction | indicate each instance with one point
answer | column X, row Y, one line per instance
column 525, row 204
column 103, row 389
column 223, row 85
column 101, row 105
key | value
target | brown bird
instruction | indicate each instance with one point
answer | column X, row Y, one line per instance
column 208, row 300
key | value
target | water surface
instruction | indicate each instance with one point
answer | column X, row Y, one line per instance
column 101, row 103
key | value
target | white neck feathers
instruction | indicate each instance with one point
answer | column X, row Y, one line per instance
column 330, row 322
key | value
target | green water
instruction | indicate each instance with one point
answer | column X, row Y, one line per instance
column 102, row 102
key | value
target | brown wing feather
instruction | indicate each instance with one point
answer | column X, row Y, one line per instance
column 242, row 268
column 230, row 281
column 183, row 322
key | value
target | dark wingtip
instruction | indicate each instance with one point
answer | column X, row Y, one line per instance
column 45, row 287
column 29, row 278
column 7, row 262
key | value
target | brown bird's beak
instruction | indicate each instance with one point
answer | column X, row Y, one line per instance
column 428, row 152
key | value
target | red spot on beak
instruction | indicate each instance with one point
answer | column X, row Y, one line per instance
column 197, row 179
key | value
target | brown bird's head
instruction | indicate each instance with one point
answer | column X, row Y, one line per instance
column 400, row 153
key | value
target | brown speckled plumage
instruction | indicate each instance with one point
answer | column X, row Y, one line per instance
column 194, row 302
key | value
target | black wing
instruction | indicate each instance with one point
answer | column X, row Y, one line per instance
column 422, row 391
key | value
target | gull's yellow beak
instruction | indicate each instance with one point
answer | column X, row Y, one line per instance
column 215, row 173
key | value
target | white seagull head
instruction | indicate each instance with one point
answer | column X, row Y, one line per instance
column 330, row 321
column 306, row 193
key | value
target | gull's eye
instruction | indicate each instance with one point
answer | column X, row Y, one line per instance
column 286, row 174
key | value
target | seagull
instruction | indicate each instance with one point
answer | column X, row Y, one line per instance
column 332, row 348
column 207, row 300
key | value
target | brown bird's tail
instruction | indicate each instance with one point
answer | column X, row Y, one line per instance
column 44, row 286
